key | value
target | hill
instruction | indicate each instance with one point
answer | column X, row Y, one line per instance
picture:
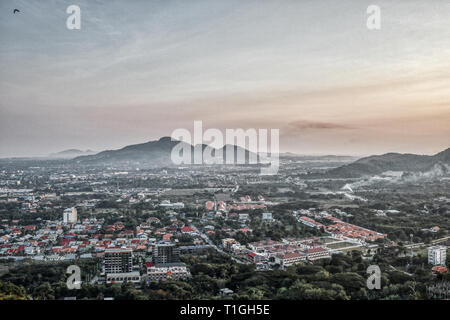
column 378, row 164
column 70, row 153
column 152, row 153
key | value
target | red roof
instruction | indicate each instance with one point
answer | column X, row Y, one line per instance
column 291, row 255
column 315, row 250
column 439, row 269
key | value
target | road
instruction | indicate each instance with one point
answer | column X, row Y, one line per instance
column 218, row 249
column 409, row 274
column 440, row 240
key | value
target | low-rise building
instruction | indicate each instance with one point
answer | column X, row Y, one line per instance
column 165, row 271
column 267, row 217
column 289, row 259
column 255, row 257
column 317, row 253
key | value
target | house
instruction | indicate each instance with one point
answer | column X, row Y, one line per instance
column 255, row 257
column 164, row 271
column 267, row 217
column 439, row 269
column 288, row 259
column 167, row 237
column 317, row 253
column 244, row 217
column 188, row 230
column 225, row 292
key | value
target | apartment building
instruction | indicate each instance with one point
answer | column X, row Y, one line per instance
column 437, row 255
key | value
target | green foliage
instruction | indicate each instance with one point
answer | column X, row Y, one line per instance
column 342, row 277
column 9, row 291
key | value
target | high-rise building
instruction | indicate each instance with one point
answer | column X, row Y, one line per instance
column 437, row 255
column 70, row 215
column 166, row 253
column 166, row 263
column 118, row 261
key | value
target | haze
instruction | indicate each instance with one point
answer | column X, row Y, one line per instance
column 137, row 70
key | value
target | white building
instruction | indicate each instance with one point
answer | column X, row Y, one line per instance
column 437, row 255
column 244, row 217
column 168, row 205
column 228, row 243
column 267, row 217
column 288, row 259
column 164, row 271
column 70, row 215
column 317, row 253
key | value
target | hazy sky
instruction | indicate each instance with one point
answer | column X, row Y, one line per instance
column 137, row 70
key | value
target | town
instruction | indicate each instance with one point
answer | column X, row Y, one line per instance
column 132, row 227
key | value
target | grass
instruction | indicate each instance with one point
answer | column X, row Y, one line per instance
column 340, row 245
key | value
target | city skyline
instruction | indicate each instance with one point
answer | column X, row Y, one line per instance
column 312, row 70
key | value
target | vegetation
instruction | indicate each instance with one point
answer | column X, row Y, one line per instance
column 342, row 277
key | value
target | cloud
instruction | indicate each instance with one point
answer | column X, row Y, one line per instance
column 302, row 125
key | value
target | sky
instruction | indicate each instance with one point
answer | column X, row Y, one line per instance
column 137, row 70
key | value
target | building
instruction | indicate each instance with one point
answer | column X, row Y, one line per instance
column 267, row 217
column 225, row 292
column 437, row 255
column 244, row 217
column 439, row 269
column 255, row 257
column 227, row 243
column 166, row 253
column 70, row 215
column 165, row 271
column 317, row 253
column 118, row 261
column 291, row 258
column 168, row 205
column 209, row 205
column 264, row 245
column 188, row 230
column 310, row 222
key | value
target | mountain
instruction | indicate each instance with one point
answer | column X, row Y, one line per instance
column 152, row 153
column 331, row 157
column 443, row 156
column 70, row 153
column 437, row 170
column 374, row 165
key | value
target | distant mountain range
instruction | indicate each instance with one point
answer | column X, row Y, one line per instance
column 152, row 153
column 70, row 153
column 290, row 155
column 412, row 163
column 158, row 153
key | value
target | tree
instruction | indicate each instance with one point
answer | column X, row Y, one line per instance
column 9, row 291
